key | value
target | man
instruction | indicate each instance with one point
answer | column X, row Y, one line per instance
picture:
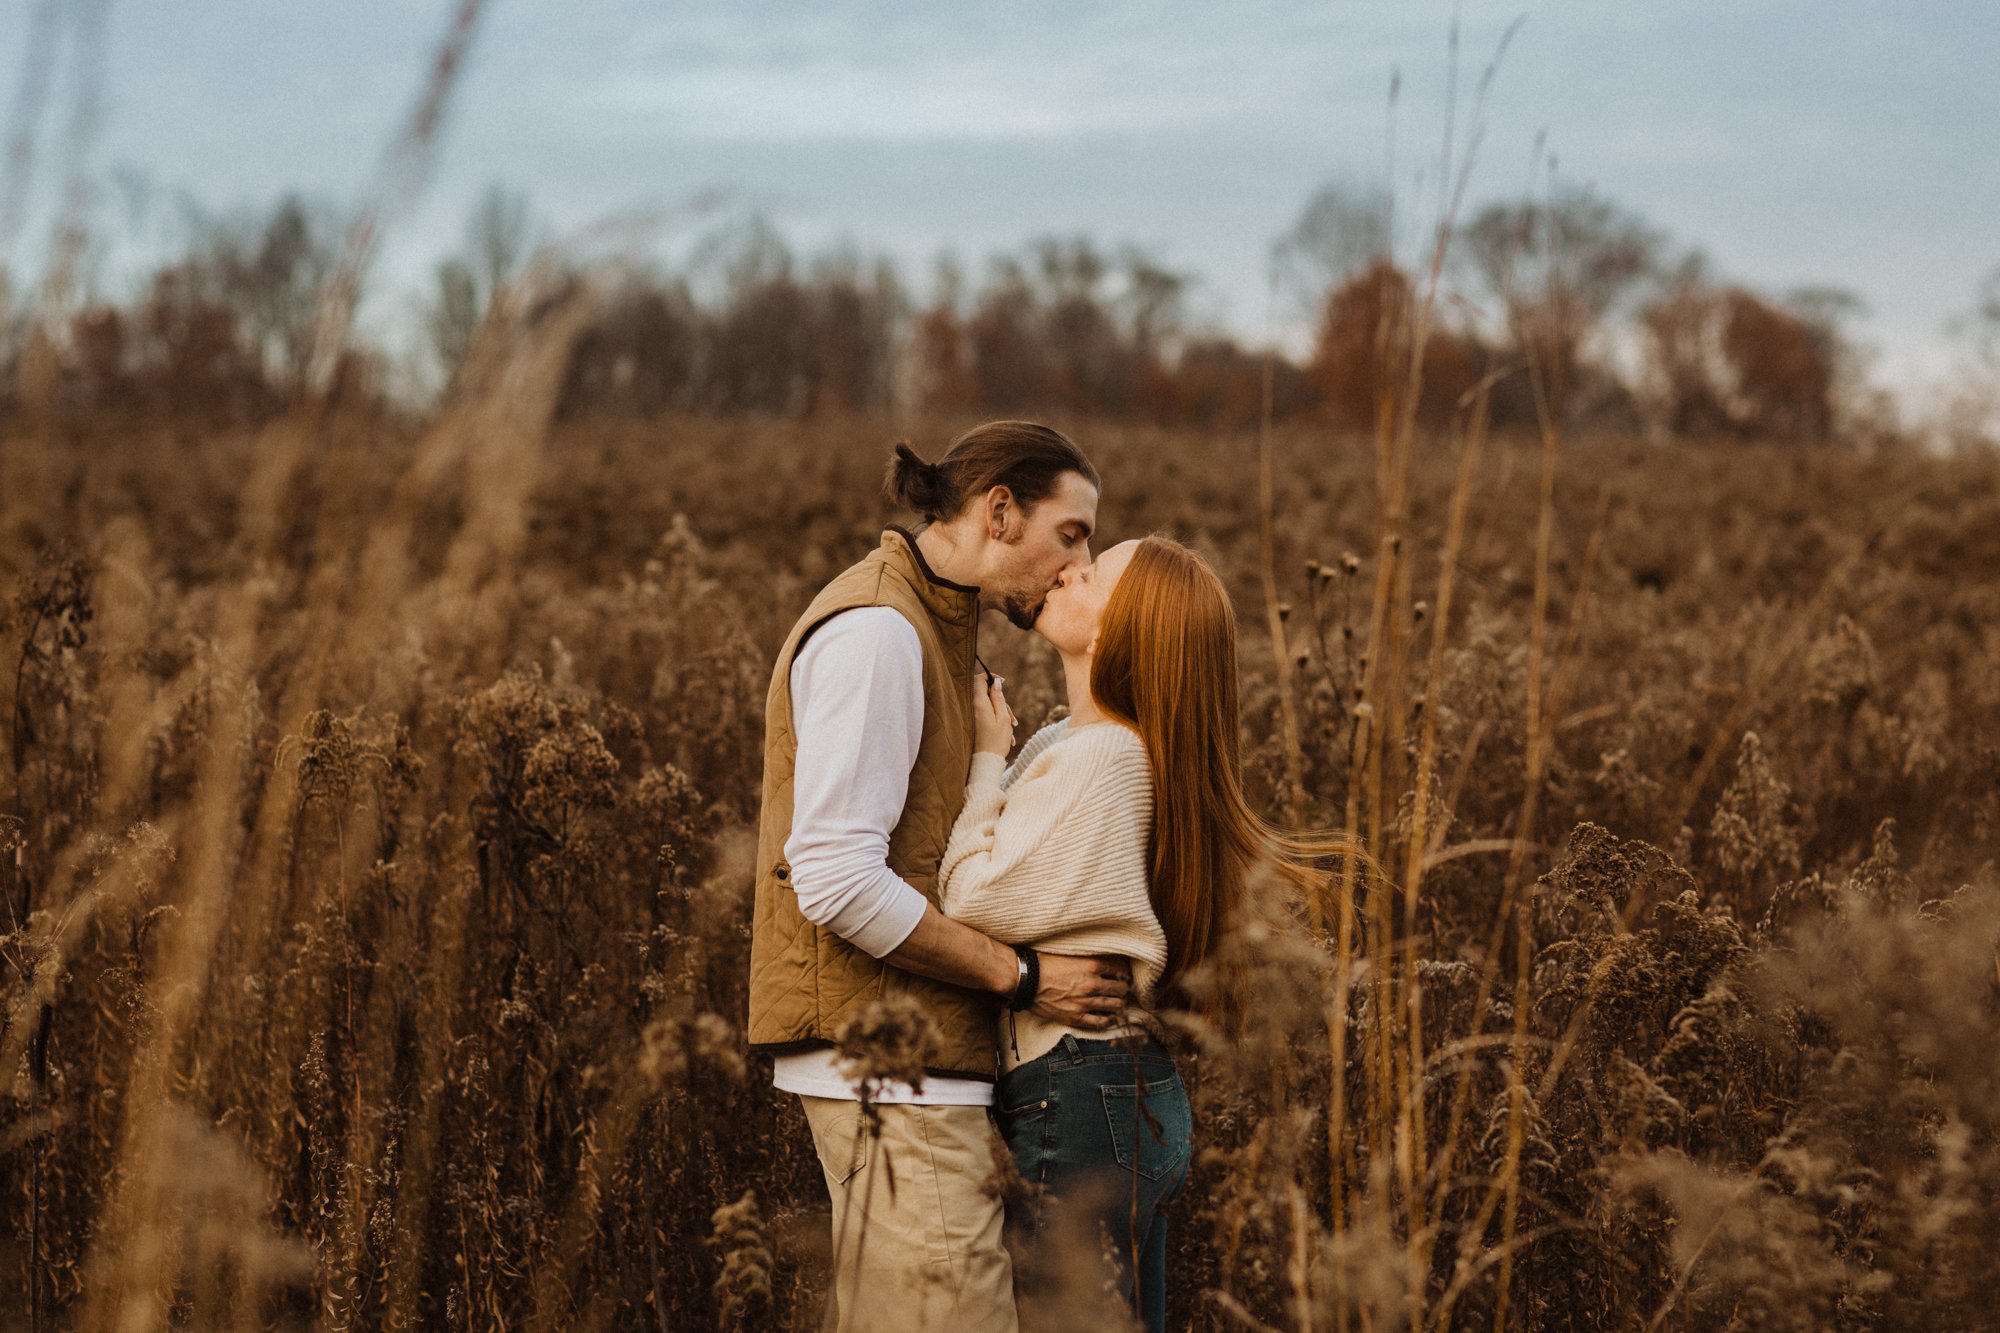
column 868, row 740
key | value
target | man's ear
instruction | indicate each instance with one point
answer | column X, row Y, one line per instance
column 1000, row 511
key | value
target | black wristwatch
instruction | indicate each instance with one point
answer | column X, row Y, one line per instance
column 1030, row 979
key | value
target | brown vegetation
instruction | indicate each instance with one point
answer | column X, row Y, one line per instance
column 375, row 807
column 375, row 802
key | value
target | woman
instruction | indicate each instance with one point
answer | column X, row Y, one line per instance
column 1120, row 830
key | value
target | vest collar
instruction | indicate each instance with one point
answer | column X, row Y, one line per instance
column 954, row 603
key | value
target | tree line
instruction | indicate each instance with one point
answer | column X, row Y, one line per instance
column 1566, row 308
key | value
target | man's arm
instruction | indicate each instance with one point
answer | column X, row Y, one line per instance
column 1077, row 992
column 857, row 708
column 858, row 712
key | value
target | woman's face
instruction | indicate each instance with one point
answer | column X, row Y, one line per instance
column 1075, row 607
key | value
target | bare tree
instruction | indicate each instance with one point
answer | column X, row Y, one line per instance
column 498, row 236
column 761, row 337
column 1345, row 228
column 1970, row 413
column 940, row 349
column 1010, row 365
column 278, row 286
column 1981, row 327
column 855, row 310
column 1153, row 297
column 641, row 355
column 1557, row 269
column 1360, row 367
column 226, row 328
column 1724, row 361
column 269, row 272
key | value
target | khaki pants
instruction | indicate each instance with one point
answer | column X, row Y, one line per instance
column 916, row 1234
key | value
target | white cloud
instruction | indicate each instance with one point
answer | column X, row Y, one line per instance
column 894, row 77
column 850, row 102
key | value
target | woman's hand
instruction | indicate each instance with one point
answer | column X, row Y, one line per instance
column 992, row 719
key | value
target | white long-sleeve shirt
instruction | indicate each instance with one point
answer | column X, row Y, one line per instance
column 1053, row 851
column 858, row 713
column 857, row 691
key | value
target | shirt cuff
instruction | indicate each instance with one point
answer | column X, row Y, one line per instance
column 891, row 923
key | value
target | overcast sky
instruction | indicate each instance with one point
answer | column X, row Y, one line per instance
column 1823, row 142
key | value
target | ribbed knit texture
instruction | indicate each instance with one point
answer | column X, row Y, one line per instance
column 1053, row 852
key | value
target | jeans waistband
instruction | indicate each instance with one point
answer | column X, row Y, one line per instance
column 1072, row 1049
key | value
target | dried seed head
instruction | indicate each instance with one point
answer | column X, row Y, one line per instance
column 1420, row 610
column 1350, row 563
column 889, row 1040
column 740, row 1236
column 1284, row 611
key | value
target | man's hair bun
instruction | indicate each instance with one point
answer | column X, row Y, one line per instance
column 914, row 484
column 1027, row 458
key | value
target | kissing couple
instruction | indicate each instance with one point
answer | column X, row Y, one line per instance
column 1038, row 905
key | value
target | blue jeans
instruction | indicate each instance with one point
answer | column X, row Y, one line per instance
column 1104, row 1128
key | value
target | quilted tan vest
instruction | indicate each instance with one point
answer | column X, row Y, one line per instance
column 805, row 981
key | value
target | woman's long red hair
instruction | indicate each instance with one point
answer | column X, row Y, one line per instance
column 1166, row 666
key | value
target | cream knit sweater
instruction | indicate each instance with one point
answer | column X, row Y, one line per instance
column 1052, row 851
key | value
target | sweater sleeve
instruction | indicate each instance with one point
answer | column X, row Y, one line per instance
column 1033, row 749
column 986, row 787
column 1026, row 862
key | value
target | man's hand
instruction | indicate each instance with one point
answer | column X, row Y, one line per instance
column 1083, row 993
column 1087, row 993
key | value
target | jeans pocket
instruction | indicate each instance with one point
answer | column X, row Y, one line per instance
column 1152, row 1129
column 1022, row 1092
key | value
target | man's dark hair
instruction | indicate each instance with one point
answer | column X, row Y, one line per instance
column 1027, row 458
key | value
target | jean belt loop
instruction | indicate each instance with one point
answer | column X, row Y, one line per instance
column 1070, row 1049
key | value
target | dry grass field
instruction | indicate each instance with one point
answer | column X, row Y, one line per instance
column 376, row 810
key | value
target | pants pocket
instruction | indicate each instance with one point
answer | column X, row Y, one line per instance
column 839, row 1138
column 1151, row 1126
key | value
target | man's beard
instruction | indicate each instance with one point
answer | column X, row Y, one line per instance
column 1021, row 612
column 1018, row 607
